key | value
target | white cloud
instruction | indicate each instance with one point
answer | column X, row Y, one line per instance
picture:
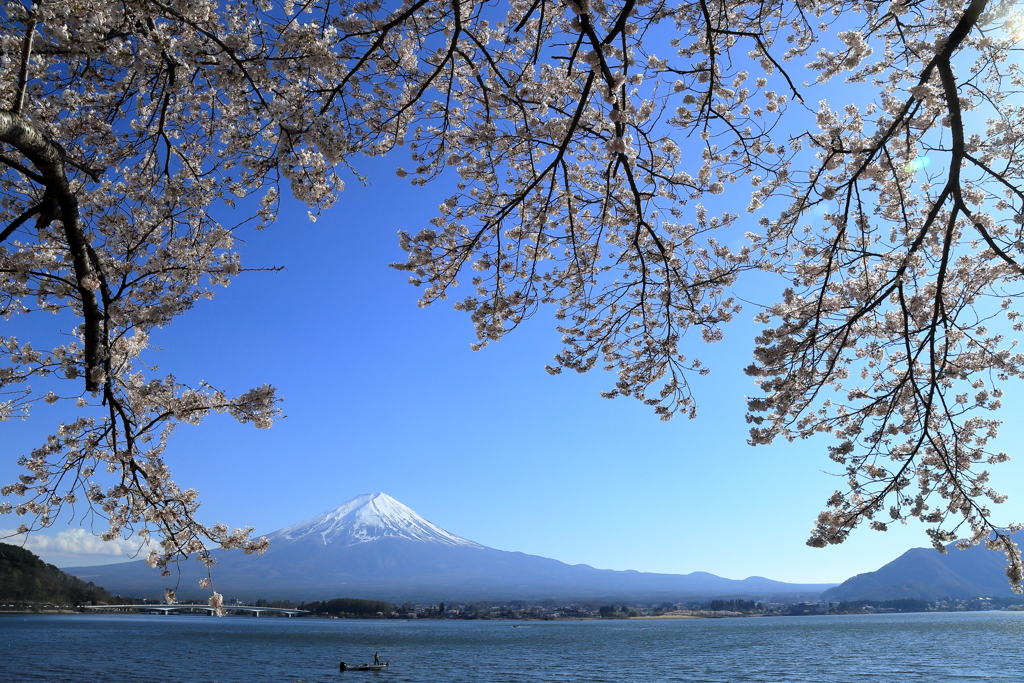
column 71, row 542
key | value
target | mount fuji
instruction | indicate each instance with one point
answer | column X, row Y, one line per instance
column 375, row 547
column 364, row 519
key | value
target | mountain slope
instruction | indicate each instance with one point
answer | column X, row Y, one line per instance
column 375, row 547
column 926, row 574
column 26, row 578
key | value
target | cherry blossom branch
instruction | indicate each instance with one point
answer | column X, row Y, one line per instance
column 49, row 160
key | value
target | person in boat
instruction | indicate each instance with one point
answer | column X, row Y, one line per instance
column 376, row 659
column 342, row 667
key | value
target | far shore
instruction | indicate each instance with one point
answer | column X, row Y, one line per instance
column 525, row 620
column 114, row 610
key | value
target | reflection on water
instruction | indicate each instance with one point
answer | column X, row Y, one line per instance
column 900, row 648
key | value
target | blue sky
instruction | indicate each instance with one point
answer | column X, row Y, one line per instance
column 383, row 396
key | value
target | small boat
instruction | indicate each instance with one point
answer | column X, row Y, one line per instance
column 363, row 667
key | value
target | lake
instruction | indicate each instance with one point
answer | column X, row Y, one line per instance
column 903, row 648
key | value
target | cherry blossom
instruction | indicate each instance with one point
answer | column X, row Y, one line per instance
column 599, row 147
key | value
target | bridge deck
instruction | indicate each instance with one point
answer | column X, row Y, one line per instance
column 189, row 607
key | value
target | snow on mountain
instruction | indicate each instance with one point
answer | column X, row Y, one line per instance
column 366, row 518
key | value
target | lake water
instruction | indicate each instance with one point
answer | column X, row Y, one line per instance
column 902, row 648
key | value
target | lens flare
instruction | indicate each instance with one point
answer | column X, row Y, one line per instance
column 918, row 164
column 1014, row 24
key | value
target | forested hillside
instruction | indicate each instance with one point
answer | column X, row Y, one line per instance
column 26, row 578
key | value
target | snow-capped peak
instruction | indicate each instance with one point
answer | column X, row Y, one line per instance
column 367, row 518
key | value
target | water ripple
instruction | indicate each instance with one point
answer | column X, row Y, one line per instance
column 906, row 648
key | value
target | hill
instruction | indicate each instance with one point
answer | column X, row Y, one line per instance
column 926, row 574
column 24, row 578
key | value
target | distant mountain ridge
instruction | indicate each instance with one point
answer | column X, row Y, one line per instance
column 926, row 574
column 375, row 547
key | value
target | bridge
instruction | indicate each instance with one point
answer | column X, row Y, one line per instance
column 167, row 609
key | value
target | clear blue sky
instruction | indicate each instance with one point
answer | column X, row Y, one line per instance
column 383, row 396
